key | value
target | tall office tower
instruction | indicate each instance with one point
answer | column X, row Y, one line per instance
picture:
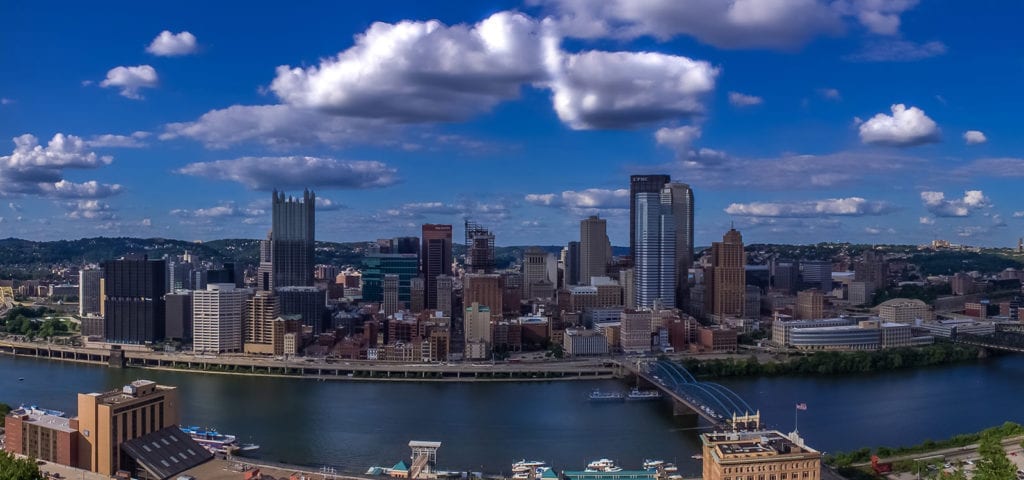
column 810, row 304
column 786, row 276
column 654, row 260
column 390, row 304
column 728, row 266
column 294, row 238
column 594, row 249
column 436, row 259
column 443, row 294
column 477, row 331
column 228, row 273
column 260, row 313
column 681, row 198
column 89, row 299
column 265, row 271
column 817, row 274
column 535, row 269
column 628, row 284
column 377, row 265
column 134, row 303
column 308, row 302
column 406, row 245
column 484, row 289
column 178, row 325
column 217, row 315
column 479, row 248
column 417, row 295
column 173, row 270
column 572, row 264
column 512, row 291
column 641, row 184
column 872, row 269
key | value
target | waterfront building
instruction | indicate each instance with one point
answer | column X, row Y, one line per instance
column 484, row 289
column 717, row 338
column 641, row 184
column 260, row 313
column 436, row 259
column 580, row 343
column 757, row 453
column 595, row 249
column 178, row 324
column 477, row 327
column 817, row 274
column 41, row 435
column 904, row 310
column 217, row 317
column 728, row 288
column 90, row 297
column 952, row 328
column 93, row 326
column 654, row 254
column 308, row 302
column 293, row 239
column 872, row 334
column 635, row 331
column 681, row 200
column 286, row 334
column 133, row 304
column 810, row 304
column 782, row 328
column 479, row 248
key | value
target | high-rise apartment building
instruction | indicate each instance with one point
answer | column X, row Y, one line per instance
column 654, row 255
column 260, row 312
column 641, row 184
column 484, row 289
column 436, row 259
column 293, row 239
column 217, row 316
column 595, row 249
column 89, row 297
column 134, row 300
column 681, row 200
column 479, row 248
column 728, row 262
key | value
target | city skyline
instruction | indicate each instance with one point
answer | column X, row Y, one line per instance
column 869, row 129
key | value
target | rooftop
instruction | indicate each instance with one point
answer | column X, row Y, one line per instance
column 37, row 416
column 758, row 443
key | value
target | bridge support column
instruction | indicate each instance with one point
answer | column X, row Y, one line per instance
column 680, row 409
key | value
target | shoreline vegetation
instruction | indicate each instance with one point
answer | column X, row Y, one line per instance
column 834, row 363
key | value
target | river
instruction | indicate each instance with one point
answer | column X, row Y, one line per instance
column 485, row 426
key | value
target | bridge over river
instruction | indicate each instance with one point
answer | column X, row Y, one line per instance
column 713, row 402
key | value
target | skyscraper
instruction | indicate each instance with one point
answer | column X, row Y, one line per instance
column 872, row 269
column 89, row 300
column 594, row 249
column 443, row 293
column 217, row 316
column 293, row 239
column 681, row 199
column 436, row 259
column 260, row 313
column 654, row 263
column 479, row 248
column 728, row 266
column 390, row 303
column 534, row 269
column 134, row 304
column 265, row 271
column 572, row 265
column 640, row 184
column 484, row 289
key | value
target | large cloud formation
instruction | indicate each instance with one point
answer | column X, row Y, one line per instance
column 265, row 173
column 940, row 206
column 850, row 206
column 34, row 169
column 904, row 128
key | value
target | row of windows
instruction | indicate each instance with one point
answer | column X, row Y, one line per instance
column 770, row 467
column 781, row 476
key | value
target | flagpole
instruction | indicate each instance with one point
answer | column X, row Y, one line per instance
column 796, row 419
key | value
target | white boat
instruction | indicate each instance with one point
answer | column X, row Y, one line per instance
column 603, row 465
column 525, row 465
column 653, row 464
column 669, row 468
column 217, row 442
column 375, row 470
column 639, row 395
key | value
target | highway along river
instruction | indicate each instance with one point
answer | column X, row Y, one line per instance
column 486, row 426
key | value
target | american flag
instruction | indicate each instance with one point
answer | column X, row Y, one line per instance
column 801, row 406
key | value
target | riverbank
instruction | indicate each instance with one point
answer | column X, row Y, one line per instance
column 835, row 363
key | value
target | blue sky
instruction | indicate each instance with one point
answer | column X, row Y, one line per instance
column 799, row 120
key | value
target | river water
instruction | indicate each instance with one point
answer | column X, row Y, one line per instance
column 485, row 426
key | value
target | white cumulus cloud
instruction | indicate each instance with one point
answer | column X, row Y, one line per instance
column 850, row 206
column 589, row 200
column 265, row 173
column 738, row 99
column 89, row 210
column 905, row 127
column 135, row 140
column 974, row 137
column 926, row 221
column 940, row 206
column 678, row 139
column 131, row 79
column 168, row 44
column 34, row 169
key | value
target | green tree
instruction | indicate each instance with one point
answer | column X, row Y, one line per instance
column 4, row 409
column 13, row 468
column 994, row 464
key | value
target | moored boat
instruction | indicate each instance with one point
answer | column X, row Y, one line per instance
column 218, row 443
column 639, row 395
column 598, row 396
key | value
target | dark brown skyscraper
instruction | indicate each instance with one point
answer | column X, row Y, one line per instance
column 293, row 240
column 641, row 184
column 479, row 249
column 435, row 258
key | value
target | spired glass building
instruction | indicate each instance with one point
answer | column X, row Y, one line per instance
column 293, row 239
column 654, row 262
